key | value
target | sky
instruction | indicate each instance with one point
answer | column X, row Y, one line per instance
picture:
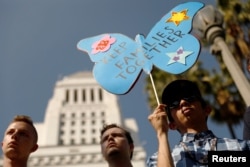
column 38, row 47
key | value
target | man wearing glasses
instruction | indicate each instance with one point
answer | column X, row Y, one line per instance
column 187, row 112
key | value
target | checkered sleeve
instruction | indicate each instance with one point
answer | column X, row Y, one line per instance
column 152, row 161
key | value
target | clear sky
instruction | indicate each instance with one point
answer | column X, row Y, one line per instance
column 38, row 46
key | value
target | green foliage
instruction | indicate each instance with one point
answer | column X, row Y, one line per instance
column 236, row 23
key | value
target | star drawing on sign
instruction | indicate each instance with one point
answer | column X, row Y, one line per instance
column 178, row 17
column 178, row 56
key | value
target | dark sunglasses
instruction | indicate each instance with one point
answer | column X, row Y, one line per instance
column 176, row 103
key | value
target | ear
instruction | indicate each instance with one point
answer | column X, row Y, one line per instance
column 34, row 148
column 131, row 147
column 172, row 126
column 208, row 110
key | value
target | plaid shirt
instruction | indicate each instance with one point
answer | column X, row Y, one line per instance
column 193, row 149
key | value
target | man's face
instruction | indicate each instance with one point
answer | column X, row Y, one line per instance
column 114, row 142
column 18, row 141
column 189, row 114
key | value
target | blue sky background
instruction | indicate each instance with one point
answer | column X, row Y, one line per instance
column 38, row 46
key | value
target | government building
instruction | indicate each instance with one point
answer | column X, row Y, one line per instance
column 70, row 133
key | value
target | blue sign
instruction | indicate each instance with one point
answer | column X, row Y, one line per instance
column 119, row 60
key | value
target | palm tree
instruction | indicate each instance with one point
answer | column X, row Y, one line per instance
column 237, row 22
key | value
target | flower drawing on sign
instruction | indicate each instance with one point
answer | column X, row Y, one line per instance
column 102, row 45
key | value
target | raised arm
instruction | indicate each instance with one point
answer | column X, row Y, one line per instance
column 158, row 120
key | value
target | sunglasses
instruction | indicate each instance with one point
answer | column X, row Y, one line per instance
column 175, row 104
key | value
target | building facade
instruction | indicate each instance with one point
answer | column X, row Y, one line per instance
column 70, row 133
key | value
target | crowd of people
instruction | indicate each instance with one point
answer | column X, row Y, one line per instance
column 182, row 109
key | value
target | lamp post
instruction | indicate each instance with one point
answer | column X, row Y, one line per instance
column 208, row 21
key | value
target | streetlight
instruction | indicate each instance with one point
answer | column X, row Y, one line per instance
column 208, row 22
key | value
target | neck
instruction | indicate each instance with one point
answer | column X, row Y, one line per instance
column 120, row 162
column 13, row 163
column 194, row 130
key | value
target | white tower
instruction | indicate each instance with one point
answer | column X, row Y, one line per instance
column 70, row 133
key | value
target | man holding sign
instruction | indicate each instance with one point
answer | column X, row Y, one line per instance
column 187, row 113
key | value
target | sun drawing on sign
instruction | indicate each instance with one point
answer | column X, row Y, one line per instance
column 178, row 17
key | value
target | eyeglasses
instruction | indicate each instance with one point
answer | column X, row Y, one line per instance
column 175, row 104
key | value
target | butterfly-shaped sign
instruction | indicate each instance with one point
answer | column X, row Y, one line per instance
column 119, row 60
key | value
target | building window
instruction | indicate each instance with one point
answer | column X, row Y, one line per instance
column 83, row 122
column 100, row 94
column 93, row 140
column 93, row 122
column 83, row 95
column 61, row 142
column 73, row 115
column 93, row 131
column 75, row 95
column 102, row 113
column 61, row 132
column 67, row 96
column 62, row 115
column 83, row 114
column 72, row 122
column 92, row 95
column 83, row 131
column 62, row 123
column 72, row 141
column 83, row 141
column 72, row 132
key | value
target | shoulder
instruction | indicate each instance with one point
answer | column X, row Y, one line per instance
column 232, row 144
column 247, row 113
column 247, row 110
column 152, row 160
